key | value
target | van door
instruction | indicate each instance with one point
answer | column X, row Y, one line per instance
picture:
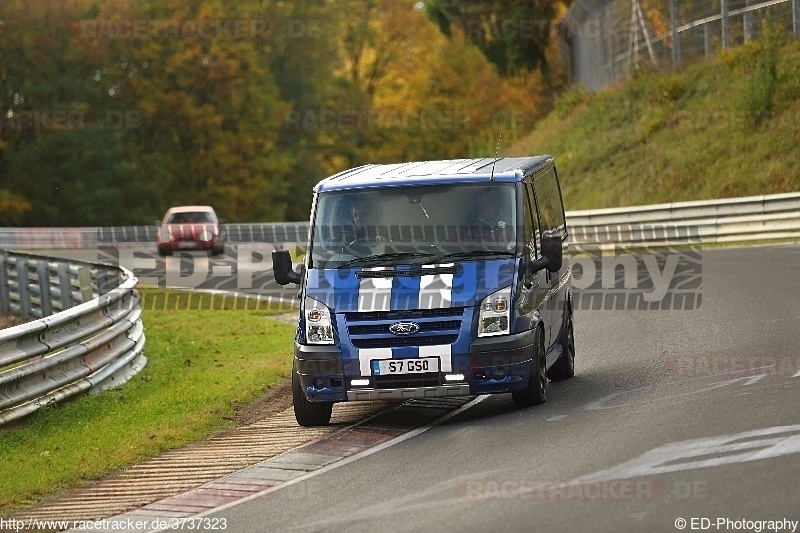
column 550, row 210
column 534, row 285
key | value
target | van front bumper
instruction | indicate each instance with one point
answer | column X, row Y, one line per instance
column 416, row 393
column 324, row 363
column 496, row 365
column 501, row 363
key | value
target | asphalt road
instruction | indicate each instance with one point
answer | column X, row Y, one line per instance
column 687, row 414
column 683, row 414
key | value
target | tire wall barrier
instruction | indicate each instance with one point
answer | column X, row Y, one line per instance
column 87, row 336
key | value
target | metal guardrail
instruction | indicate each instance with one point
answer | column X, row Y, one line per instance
column 733, row 220
column 89, row 335
column 773, row 217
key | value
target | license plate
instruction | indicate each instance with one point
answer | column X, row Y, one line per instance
column 405, row 366
column 184, row 245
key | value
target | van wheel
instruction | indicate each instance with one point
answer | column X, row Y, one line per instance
column 564, row 368
column 308, row 413
column 536, row 391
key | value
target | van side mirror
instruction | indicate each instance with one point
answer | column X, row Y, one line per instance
column 552, row 250
column 539, row 264
column 552, row 254
column 282, row 268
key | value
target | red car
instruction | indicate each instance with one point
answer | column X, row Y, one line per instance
column 191, row 227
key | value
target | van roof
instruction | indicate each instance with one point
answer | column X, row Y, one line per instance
column 506, row 169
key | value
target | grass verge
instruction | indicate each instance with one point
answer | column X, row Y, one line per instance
column 721, row 128
column 202, row 364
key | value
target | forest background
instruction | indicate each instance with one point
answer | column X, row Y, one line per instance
column 113, row 110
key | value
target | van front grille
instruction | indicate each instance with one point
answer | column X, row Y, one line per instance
column 436, row 327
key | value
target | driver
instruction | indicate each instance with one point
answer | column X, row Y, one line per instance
column 363, row 224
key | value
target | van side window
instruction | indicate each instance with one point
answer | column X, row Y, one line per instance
column 531, row 225
column 548, row 199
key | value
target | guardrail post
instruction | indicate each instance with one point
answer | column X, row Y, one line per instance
column 85, row 284
column 5, row 300
column 23, row 287
column 724, row 22
column 102, row 283
column 44, row 288
column 66, row 286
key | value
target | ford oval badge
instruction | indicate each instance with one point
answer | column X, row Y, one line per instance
column 404, row 328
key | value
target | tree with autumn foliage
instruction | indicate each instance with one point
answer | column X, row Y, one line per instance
column 114, row 110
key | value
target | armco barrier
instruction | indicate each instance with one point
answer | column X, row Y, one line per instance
column 765, row 218
column 774, row 217
column 89, row 334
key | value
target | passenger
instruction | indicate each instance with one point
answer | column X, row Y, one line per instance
column 491, row 217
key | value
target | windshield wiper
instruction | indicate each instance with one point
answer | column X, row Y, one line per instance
column 382, row 258
column 471, row 254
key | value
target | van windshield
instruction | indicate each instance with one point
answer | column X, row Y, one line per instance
column 411, row 225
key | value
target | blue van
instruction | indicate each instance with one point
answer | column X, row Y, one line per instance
column 432, row 279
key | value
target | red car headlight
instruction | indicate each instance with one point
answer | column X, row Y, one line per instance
column 165, row 234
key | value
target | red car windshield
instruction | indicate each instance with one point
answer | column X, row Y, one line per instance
column 195, row 217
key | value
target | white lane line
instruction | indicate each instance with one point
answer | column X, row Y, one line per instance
column 753, row 445
column 343, row 462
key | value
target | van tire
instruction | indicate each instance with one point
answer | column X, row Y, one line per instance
column 536, row 391
column 308, row 413
column 564, row 367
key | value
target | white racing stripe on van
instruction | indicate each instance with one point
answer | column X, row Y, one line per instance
column 368, row 354
column 374, row 294
column 442, row 351
column 435, row 290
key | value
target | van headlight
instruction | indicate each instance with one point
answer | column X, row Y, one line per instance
column 495, row 315
column 319, row 329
